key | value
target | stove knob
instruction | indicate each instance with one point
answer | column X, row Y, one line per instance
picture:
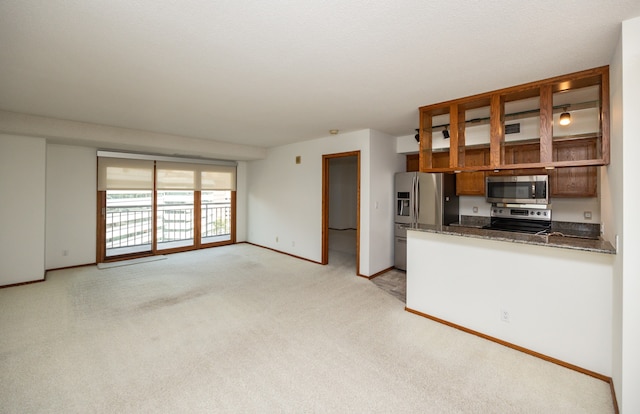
column 500, row 211
column 538, row 213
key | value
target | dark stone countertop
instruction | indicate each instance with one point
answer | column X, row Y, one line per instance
column 552, row 240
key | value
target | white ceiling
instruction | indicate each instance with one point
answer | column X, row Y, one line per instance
column 266, row 73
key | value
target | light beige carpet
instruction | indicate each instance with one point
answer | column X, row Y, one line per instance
column 241, row 329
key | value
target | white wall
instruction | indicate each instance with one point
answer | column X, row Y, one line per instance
column 611, row 212
column 560, row 307
column 384, row 164
column 71, row 206
column 629, row 355
column 285, row 199
column 61, row 131
column 22, row 209
column 612, row 207
column 343, row 193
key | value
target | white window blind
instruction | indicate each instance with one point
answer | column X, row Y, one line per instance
column 124, row 171
column 124, row 174
column 175, row 176
column 217, row 177
column 186, row 176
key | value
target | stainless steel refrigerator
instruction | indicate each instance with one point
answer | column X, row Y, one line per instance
column 422, row 198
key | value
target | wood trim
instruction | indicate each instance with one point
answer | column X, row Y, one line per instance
column 426, row 122
column 325, row 205
column 281, row 252
column 616, row 409
column 325, row 211
column 539, row 165
column 71, row 267
column 576, row 79
column 25, row 283
column 496, row 147
column 513, row 346
column 454, row 143
column 197, row 219
column 606, row 118
column 373, row 276
column 546, row 124
column 462, row 145
column 233, row 216
column 101, row 248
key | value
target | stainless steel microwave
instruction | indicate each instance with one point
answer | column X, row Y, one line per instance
column 518, row 189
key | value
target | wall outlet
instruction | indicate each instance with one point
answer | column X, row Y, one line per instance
column 587, row 215
column 277, row 240
column 504, row 315
column 475, row 209
column 293, row 244
column 65, row 252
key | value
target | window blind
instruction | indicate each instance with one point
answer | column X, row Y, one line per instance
column 187, row 176
column 124, row 174
column 124, row 171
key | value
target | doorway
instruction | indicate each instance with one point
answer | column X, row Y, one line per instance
column 341, row 207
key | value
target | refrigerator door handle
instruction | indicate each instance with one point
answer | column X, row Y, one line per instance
column 417, row 199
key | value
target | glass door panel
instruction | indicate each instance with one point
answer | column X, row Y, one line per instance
column 129, row 218
column 215, row 216
column 175, row 223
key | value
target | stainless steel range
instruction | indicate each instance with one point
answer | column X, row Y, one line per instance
column 520, row 219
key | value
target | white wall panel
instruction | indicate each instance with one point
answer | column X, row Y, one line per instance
column 558, row 300
column 71, row 206
column 22, row 209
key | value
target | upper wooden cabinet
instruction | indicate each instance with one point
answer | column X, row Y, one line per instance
column 574, row 181
column 413, row 162
column 518, row 128
column 472, row 183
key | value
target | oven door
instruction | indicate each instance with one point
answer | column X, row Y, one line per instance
column 520, row 225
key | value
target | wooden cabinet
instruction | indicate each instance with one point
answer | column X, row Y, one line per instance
column 574, row 181
column 483, row 119
column 563, row 182
column 527, row 154
column 472, row 183
column 440, row 159
column 413, row 162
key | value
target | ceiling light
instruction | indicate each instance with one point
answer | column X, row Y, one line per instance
column 565, row 118
column 334, row 131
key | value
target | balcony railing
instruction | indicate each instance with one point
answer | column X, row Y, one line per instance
column 132, row 225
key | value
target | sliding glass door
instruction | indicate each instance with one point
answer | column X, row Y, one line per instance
column 148, row 207
column 175, row 219
column 215, row 216
column 129, row 222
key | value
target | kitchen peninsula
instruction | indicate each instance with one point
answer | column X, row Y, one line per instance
column 546, row 294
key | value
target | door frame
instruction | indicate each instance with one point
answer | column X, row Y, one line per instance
column 326, row 158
